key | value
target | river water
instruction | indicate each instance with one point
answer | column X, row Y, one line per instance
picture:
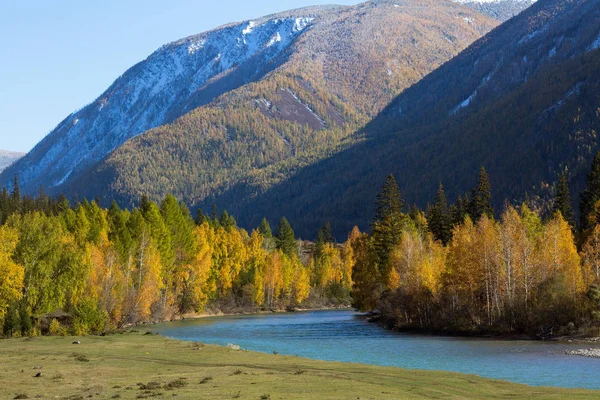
column 345, row 336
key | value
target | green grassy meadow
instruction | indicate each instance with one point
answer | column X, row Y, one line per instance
column 137, row 366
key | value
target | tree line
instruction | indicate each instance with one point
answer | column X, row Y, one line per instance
column 107, row 268
column 456, row 268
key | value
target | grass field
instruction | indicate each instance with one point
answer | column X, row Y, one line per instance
column 137, row 366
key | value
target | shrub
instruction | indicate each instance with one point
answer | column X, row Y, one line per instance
column 56, row 329
column 89, row 318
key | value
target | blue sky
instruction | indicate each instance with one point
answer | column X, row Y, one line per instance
column 58, row 56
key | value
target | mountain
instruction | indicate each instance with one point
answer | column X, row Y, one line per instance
column 247, row 104
column 499, row 9
column 8, row 157
column 523, row 101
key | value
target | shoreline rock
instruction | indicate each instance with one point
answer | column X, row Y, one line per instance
column 591, row 352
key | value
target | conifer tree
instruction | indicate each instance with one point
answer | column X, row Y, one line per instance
column 327, row 236
column 214, row 214
column 562, row 200
column 265, row 229
column 227, row 221
column 15, row 195
column 481, row 198
column 389, row 222
column 439, row 218
column 179, row 223
column 11, row 321
column 42, row 201
column 460, row 210
column 25, row 319
column 591, row 196
column 200, row 217
column 62, row 204
column 286, row 241
column 4, row 205
column 269, row 242
column 144, row 203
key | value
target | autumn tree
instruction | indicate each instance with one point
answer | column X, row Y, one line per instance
column 55, row 272
column 591, row 257
column 560, row 257
column 11, row 274
column 366, row 277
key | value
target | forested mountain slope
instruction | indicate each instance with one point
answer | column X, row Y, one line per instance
column 524, row 101
column 172, row 81
column 279, row 93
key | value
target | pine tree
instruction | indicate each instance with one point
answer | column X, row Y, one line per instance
column 327, row 236
column 591, row 196
column 15, row 195
column 62, row 204
column 265, row 229
column 481, row 198
column 214, row 214
column 285, row 238
column 12, row 323
column 25, row 318
column 200, row 217
column 562, row 200
column 388, row 224
column 439, row 218
column 227, row 221
column 4, row 206
column 269, row 242
column 42, row 201
column 180, row 225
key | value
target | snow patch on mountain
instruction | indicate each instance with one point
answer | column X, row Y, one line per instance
column 501, row 10
column 493, row 1
column 465, row 103
column 596, row 44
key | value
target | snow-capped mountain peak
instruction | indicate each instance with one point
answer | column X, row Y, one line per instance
column 159, row 89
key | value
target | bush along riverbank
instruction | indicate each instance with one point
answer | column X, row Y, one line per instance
column 81, row 268
column 459, row 270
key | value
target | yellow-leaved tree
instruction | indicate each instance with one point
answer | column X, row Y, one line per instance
column 193, row 277
column 559, row 255
column 11, row 274
column 591, row 257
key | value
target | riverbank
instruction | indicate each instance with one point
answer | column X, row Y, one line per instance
column 136, row 365
column 249, row 312
column 589, row 335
